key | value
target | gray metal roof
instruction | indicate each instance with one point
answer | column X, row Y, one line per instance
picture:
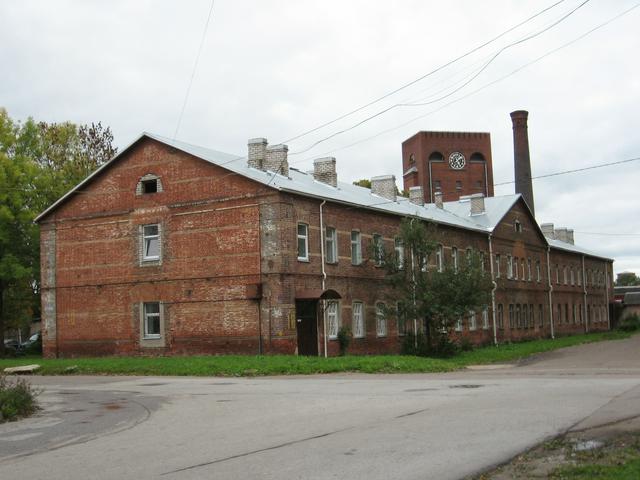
column 632, row 298
column 560, row 245
column 457, row 213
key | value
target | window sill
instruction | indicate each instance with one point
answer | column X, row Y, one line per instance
column 304, row 260
column 151, row 337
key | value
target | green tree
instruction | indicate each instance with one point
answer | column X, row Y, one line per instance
column 627, row 279
column 435, row 298
column 363, row 182
column 39, row 162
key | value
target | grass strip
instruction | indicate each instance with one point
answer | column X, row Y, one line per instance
column 246, row 365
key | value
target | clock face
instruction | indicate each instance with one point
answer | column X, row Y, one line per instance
column 457, row 161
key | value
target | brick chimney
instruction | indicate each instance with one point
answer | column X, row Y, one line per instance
column 564, row 234
column 275, row 159
column 521, row 159
column 476, row 202
column 437, row 198
column 257, row 149
column 416, row 195
column 547, row 230
column 384, row 186
column 324, row 170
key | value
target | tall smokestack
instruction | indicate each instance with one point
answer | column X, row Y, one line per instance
column 521, row 160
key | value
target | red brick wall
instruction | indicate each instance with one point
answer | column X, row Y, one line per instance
column 210, row 271
column 229, row 273
column 423, row 144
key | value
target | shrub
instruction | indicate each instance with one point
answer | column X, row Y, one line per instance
column 630, row 324
column 17, row 399
column 415, row 346
column 344, row 339
column 465, row 344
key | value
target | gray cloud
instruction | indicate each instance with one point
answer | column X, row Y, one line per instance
column 278, row 68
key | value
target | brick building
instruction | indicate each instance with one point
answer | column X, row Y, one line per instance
column 452, row 163
column 171, row 248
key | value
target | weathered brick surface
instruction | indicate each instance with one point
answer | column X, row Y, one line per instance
column 229, row 273
column 423, row 144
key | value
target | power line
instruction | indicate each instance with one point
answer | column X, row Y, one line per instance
column 482, row 69
column 413, row 82
column 479, row 89
column 564, row 172
column 193, row 71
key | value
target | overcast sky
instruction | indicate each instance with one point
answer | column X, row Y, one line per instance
column 277, row 69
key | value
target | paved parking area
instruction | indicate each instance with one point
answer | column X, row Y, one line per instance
column 443, row 426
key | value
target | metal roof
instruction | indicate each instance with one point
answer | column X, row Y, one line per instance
column 632, row 298
column 456, row 214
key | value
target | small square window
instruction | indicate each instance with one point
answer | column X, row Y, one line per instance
column 151, row 242
column 150, row 186
column 303, row 242
column 151, row 320
column 331, row 244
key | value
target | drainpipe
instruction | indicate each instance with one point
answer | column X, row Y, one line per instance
column 606, row 293
column 413, row 280
column 550, row 292
column 324, row 280
column 584, row 292
column 493, row 294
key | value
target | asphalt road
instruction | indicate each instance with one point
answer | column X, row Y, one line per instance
column 443, row 426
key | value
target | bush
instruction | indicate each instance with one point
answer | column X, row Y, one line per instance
column 442, row 348
column 630, row 324
column 17, row 399
column 344, row 339
column 409, row 345
column 466, row 345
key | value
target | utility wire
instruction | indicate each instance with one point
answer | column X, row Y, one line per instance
column 479, row 89
column 193, row 71
column 484, row 67
column 413, row 82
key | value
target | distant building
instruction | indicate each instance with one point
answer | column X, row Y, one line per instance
column 454, row 164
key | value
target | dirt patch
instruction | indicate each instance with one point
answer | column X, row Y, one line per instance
column 594, row 453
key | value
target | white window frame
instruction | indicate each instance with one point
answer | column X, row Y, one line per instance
column 331, row 244
column 357, row 319
column 398, row 245
column 564, row 274
column 497, row 265
column 356, row 247
column 378, row 249
column 454, row 258
column 458, row 326
column 515, row 268
column 509, row 267
column 440, row 258
column 332, row 317
column 538, row 273
column 304, row 237
column 528, row 269
column 485, row 318
column 381, row 320
column 573, row 277
column 146, row 318
column 473, row 324
column 147, row 238
column 401, row 319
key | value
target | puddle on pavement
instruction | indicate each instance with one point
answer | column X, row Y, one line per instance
column 465, row 385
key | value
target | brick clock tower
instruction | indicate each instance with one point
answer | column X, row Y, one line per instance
column 454, row 163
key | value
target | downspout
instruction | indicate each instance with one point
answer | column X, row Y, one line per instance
column 261, row 286
column 584, row 298
column 493, row 294
column 553, row 335
column 606, row 293
column 324, row 280
column 413, row 280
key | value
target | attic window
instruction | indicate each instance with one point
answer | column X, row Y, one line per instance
column 412, row 159
column 150, row 186
column 149, row 183
column 518, row 226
